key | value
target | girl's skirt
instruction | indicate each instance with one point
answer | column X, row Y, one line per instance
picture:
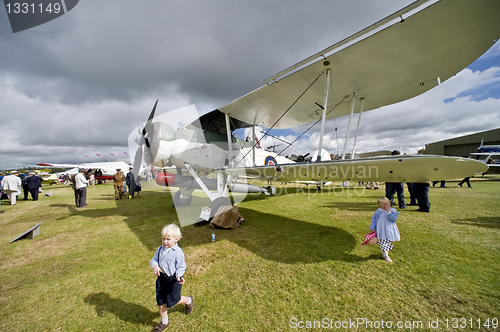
column 385, row 245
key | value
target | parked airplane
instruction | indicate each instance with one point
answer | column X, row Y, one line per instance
column 397, row 58
column 493, row 165
column 107, row 168
column 495, row 149
column 490, row 151
column 48, row 178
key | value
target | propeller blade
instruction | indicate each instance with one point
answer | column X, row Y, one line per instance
column 151, row 116
column 148, row 126
column 148, row 129
column 139, row 139
column 137, row 162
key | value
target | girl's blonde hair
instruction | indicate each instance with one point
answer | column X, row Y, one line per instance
column 172, row 230
column 382, row 200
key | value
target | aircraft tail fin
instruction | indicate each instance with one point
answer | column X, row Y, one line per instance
column 325, row 155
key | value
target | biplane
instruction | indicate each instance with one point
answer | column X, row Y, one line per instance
column 400, row 57
column 107, row 168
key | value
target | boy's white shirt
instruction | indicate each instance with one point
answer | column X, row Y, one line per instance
column 171, row 260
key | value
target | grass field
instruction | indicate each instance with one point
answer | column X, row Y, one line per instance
column 295, row 264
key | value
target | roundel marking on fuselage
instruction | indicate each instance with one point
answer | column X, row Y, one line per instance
column 270, row 161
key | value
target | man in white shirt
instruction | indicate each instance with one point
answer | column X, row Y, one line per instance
column 12, row 186
column 81, row 187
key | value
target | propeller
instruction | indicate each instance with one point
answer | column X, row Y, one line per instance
column 301, row 159
column 145, row 136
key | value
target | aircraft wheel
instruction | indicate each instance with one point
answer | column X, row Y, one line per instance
column 217, row 203
column 180, row 202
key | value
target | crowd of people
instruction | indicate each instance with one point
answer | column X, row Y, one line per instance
column 16, row 184
column 86, row 178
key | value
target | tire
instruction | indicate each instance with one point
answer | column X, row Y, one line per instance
column 217, row 203
column 178, row 202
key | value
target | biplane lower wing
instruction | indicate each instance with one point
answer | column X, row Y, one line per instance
column 420, row 168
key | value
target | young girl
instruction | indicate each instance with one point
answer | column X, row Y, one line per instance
column 384, row 223
column 168, row 265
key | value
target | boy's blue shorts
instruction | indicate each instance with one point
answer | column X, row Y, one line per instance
column 168, row 290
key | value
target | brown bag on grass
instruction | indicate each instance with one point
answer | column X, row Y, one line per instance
column 227, row 217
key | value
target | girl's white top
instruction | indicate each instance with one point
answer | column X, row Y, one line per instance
column 385, row 225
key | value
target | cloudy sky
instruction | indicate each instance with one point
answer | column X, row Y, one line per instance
column 78, row 85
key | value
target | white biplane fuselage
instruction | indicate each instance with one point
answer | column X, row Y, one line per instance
column 205, row 152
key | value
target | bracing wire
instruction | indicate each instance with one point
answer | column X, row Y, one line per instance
column 315, row 123
column 282, row 115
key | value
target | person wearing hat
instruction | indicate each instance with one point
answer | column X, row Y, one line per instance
column 12, row 186
column 118, row 179
column 33, row 183
column 81, row 188
column 130, row 181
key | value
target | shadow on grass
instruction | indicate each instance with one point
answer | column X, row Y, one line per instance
column 273, row 237
column 282, row 239
column 487, row 222
column 125, row 311
column 145, row 216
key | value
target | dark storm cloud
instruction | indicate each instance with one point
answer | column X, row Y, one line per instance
column 217, row 50
column 82, row 82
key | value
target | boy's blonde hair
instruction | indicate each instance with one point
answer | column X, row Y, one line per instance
column 172, row 230
column 382, row 200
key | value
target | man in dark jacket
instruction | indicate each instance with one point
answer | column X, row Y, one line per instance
column 129, row 179
column 33, row 182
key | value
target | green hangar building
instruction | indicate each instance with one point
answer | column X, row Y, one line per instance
column 464, row 145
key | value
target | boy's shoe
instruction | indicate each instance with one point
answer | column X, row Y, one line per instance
column 386, row 257
column 161, row 327
column 189, row 307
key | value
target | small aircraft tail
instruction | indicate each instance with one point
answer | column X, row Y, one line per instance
column 325, row 155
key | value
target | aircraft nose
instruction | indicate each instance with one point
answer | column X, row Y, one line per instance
column 161, row 144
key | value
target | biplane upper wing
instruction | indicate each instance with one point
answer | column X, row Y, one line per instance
column 401, row 61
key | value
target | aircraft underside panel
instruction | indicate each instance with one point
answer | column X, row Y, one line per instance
column 383, row 169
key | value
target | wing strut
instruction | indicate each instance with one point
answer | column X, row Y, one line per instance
column 323, row 118
column 357, row 128
column 202, row 185
column 253, row 146
column 229, row 140
column 349, row 124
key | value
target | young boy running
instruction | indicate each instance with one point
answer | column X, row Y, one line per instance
column 168, row 265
